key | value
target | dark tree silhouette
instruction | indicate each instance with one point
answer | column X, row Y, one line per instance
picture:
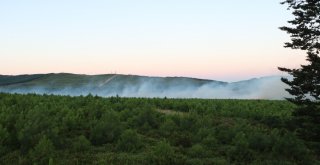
column 305, row 35
column 305, row 82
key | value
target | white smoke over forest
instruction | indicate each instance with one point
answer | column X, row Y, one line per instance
column 139, row 86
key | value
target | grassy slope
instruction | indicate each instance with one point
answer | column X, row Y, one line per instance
column 9, row 80
column 107, row 84
column 75, row 80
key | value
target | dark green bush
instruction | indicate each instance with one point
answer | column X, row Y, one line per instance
column 42, row 152
column 81, row 144
column 129, row 141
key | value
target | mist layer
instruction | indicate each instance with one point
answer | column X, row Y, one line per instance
column 141, row 86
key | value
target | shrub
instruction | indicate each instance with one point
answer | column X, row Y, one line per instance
column 162, row 154
column 4, row 135
column 197, row 151
column 43, row 151
column 129, row 141
column 106, row 130
column 81, row 143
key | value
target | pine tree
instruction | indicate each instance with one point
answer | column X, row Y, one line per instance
column 305, row 83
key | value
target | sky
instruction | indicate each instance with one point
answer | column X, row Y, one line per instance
column 212, row 39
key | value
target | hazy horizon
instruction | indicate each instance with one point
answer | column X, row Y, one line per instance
column 216, row 40
column 146, row 87
column 173, row 76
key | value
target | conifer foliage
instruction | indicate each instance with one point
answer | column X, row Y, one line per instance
column 305, row 35
column 305, row 83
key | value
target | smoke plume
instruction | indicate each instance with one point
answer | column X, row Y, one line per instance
column 139, row 86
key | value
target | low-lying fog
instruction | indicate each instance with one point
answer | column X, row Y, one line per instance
column 262, row 88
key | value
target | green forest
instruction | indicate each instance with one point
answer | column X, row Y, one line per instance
column 48, row 129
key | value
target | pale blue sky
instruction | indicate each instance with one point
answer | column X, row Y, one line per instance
column 215, row 39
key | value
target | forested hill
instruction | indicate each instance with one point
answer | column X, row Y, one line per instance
column 141, row 86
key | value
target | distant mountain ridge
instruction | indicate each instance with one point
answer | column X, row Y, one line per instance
column 138, row 86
